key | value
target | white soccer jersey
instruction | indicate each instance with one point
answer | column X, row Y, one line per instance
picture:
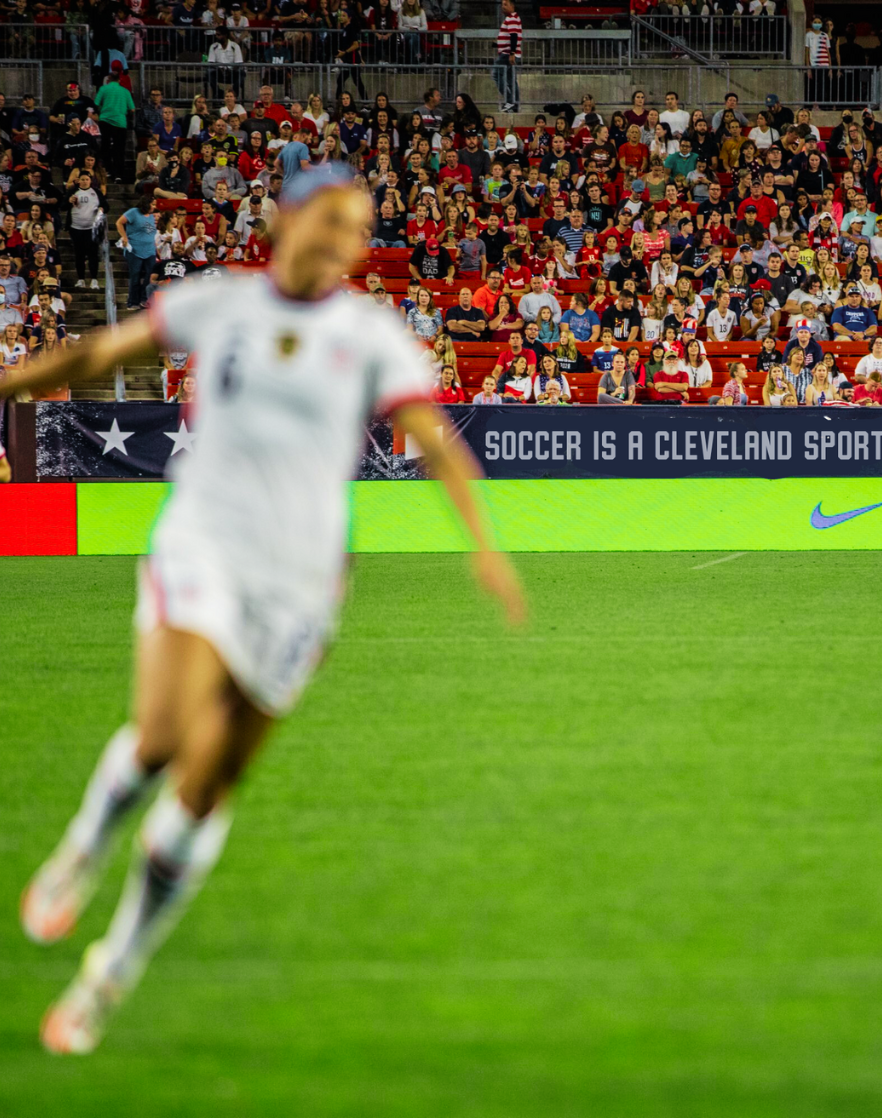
column 259, row 513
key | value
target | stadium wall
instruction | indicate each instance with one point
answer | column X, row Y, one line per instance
column 680, row 514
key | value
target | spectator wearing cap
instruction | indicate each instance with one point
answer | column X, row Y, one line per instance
column 285, row 136
column 73, row 103
column 269, row 209
column 765, row 207
column 853, row 320
column 779, row 115
column 114, row 103
column 862, row 213
column 245, row 219
column 353, row 133
column 670, row 385
column 811, row 350
column 431, row 261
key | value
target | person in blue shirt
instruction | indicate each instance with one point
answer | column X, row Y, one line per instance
column 137, row 228
column 583, row 322
column 811, row 349
column 602, row 358
column 353, row 135
column 293, row 158
column 853, row 320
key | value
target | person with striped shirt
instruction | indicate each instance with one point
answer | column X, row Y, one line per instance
column 508, row 51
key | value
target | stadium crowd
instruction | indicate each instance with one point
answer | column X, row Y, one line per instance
column 634, row 246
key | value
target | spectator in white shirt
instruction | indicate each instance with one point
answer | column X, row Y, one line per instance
column 231, row 105
column 696, row 365
column 224, row 51
column 722, row 320
column 674, row 117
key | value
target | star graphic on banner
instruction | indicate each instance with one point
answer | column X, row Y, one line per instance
column 114, row 439
column 182, row 438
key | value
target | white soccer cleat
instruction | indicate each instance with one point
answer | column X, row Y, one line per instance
column 76, row 1023
column 58, row 893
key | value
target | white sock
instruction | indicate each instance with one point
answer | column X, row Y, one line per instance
column 173, row 855
column 114, row 788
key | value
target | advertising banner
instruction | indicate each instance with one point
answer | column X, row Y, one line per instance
column 512, row 441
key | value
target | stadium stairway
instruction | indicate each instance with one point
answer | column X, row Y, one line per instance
column 88, row 310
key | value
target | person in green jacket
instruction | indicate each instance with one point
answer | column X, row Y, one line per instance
column 114, row 103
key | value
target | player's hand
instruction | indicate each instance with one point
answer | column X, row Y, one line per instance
column 495, row 573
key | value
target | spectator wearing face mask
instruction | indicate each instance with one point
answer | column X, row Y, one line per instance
column 223, row 171
column 173, row 180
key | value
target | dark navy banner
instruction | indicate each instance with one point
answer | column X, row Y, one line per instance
column 88, row 439
column 520, row 441
column 137, row 440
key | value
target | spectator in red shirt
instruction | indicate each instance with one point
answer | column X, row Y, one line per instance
column 307, row 129
column 515, row 349
column 258, row 250
column 421, row 227
column 670, row 385
column 869, row 394
column 634, row 155
column 517, row 275
column 453, row 171
column 766, row 207
column 278, row 113
column 447, row 391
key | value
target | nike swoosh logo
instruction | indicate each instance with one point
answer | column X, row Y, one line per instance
column 819, row 520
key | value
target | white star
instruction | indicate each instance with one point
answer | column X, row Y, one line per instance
column 114, row 439
column 182, row 438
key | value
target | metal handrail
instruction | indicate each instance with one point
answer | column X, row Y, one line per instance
column 99, row 232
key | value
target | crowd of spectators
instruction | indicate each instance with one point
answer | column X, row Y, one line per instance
column 655, row 224
column 52, row 180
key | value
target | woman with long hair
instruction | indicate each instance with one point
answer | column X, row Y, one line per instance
column 448, row 390
column 783, row 228
column 466, row 114
column 566, row 353
column 549, row 332
column 656, row 240
column 617, row 386
column 385, row 40
column 13, row 353
column 516, row 385
column 548, row 369
column 796, row 372
column 820, row 390
column 653, row 317
column 505, row 321
column 382, row 104
column 638, row 110
column 424, row 318
column 778, row 392
column 331, row 146
column 253, row 159
column 315, row 111
column 600, row 296
column 413, row 25
column 696, row 365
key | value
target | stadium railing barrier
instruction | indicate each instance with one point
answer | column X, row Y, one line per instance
column 611, row 85
column 713, row 36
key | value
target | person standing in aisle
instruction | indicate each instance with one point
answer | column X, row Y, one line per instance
column 86, row 203
column 114, row 103
column 508, row 51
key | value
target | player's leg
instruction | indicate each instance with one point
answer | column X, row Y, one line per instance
column 180, row 841
column 66, row 882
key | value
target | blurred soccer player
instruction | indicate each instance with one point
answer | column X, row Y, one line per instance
column 239, row 596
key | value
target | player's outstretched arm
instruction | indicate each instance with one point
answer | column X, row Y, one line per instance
column 90, row 359
column 453, row 464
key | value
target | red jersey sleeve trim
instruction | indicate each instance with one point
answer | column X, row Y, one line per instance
column 392, row 403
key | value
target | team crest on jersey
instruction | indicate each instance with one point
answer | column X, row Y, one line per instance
column 288, row 345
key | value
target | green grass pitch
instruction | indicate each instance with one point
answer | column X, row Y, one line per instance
column 627, row 866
